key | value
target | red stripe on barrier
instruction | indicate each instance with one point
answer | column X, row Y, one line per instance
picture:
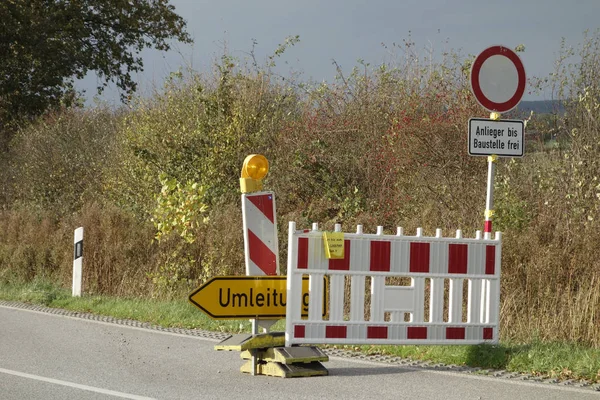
column 455, row 333
column 335, row 332
column 264, row 202
column 341, row 264
column 419, row 257
column 302, row 253
column 380, row 256
column 377, row 332
column 488, row 333
column 299, row 331
column 490, row 260
column 261, row 255
column 457, row 258
column 416, row 332
column 487, row 227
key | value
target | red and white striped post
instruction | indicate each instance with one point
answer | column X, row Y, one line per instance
column 260, row 233
column 259, row 218
column 260, row 228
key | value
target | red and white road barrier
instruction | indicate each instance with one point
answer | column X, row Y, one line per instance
column 396, row 314
column 260, row 234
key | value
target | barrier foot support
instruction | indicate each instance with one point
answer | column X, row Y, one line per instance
column 314, row 368
column 244, row 342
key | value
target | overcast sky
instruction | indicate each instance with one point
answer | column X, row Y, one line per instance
column 348, row 30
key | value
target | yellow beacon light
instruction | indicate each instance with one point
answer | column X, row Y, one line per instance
column 254, row 169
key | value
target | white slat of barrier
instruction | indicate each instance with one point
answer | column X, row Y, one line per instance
column 357, row 283
column 336, row 292
column 455, row 301
column 315, row 282
column 476, row 257
column 357, row 298
column 316, row 251
column 474, row 302
column 418, row 284
column 399, row 258
column 378, row 293
column 436, row 254
column 494, row 286
column 336, row 297
column 480, row 318
column 455, row 295
column 436, row 302
column 485, row 294
column 377, row 299
column 293, row 286
column 315, row 298
column 418, row 314
column 493, row 298
column 475, row 266
column 436, row 297
column 359, row 251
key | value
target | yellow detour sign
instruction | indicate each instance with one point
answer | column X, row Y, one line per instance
column 234, row 297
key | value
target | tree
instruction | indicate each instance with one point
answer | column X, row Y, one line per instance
column 46, row 44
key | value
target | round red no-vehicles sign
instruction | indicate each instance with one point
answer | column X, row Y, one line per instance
column 498, row 79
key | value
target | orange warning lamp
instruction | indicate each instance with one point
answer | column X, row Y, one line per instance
column 254, row 169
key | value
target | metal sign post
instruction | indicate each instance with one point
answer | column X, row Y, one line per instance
column 489, row 198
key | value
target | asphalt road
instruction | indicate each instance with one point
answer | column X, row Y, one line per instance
column 46, row 356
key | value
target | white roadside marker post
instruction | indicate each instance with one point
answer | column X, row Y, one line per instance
column 77, row 262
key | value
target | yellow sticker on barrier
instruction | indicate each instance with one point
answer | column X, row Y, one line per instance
column 334, row 244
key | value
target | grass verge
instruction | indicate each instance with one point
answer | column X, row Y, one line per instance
column 557, row 360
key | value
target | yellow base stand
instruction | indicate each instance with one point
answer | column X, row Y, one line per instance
column 267, row 355
column 286, row 370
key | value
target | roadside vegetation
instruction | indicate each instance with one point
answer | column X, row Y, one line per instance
column 155, row 185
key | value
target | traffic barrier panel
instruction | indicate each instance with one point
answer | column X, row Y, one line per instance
column 260, row 234
column 437, row 267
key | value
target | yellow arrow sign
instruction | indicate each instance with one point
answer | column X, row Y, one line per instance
column 233, row 297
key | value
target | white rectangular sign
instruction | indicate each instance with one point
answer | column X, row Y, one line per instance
column 503, row 137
